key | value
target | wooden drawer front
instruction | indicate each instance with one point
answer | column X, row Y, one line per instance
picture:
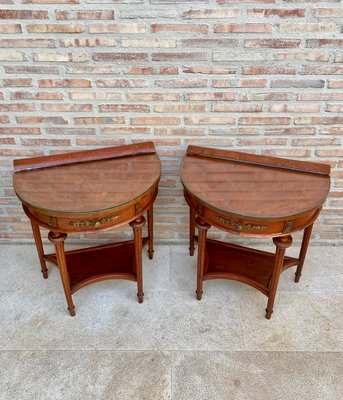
column 101, row 220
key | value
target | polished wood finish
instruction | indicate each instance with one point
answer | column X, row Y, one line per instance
column 91, row 191
column 253, row 196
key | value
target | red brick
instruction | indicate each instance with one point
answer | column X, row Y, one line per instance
column 322, row 70
column 236, row 108
column 302, row 56
column 7, row 140
column 88, row 42
column 269, row 96
column 302, row 83
column 51, row 1
column 10, row 28
column 329, row 153
column 24, row 14
column 181, row 83
column 45, row 142
column 336, row 108
column 264, row 121
column 332, row 43
column 318, row 120
column 17, row 107
column 30, row 43
column 117, row 28
column 208, row 70
column 15, row 82
column 243, row 28
column 336, row 84
column 262, row 70
column 120, row 56
column 214, row 13
column 20, row 131
column 320, row 96
column 212, row 96
column 277, row 12
column 180, row 108
column 210, row 121
column 123, row 130
column 290, row 153
column 42, row 120
column 85, row 14
column 180, row 131
column 316, row 142
column 36, row 96
column 262, row 142
column 65, row 107
column 295, row 108
column 153, row 96
column 155, row 121
column 55, row 28
column 272, row 43
column 231, row 83
column 4, row 119
column 212, row 43
column 194, row 56
column 122, row 83
column 183, row 28
column 309, row 27
column 99, row 120
column 64, row 83
column 31, row 69
column 139, row 70
column 124, row 108
column 290, row 131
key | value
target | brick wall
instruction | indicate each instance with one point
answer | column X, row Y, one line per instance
column 262, row 76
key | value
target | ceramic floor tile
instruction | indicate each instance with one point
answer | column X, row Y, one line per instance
column 70, row 375
column 254, row 375
column 301, row 321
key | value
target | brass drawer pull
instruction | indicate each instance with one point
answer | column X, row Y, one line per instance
column 240, row 227
column 95, row 222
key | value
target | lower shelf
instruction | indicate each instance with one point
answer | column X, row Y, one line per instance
column 92, row 264
column 250, row 266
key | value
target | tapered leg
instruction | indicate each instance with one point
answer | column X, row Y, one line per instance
column 39, row 245
column 191, row 231
column 303, row 251
column 281, row 243
column 137, row 226
column 151, row 232
column 58, row 240
column 203, row 228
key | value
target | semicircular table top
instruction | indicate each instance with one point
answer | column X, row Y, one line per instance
column 256, row 187
column 88, row 186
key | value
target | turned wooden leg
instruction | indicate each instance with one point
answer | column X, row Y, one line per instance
column 58, row 240
column 203, row 228
column 137, row 226
column 191, row 231
column 39, row 245
column 303, row 251
column 281, row 243
column 151, row 232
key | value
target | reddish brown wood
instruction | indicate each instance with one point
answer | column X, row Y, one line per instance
column 84, row 155
column 88, row 192
column 39, row 245
column 137, row 226
column 253, row 196
column 303, row 251
column 191, row 231
column 260, row 160
column 281, row 243
column 203, row 227
column 150, row 214
column 58, row 240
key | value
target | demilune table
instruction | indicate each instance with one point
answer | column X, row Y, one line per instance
column 91, row 191
column 253, row 196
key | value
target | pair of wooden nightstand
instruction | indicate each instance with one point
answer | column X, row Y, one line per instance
column 240, row 193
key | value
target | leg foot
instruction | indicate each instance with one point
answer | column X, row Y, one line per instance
column 203, row 228
column 303, row 251
column 58, row 240
column 191, row 231
column 137, row 226
column 281, row 243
